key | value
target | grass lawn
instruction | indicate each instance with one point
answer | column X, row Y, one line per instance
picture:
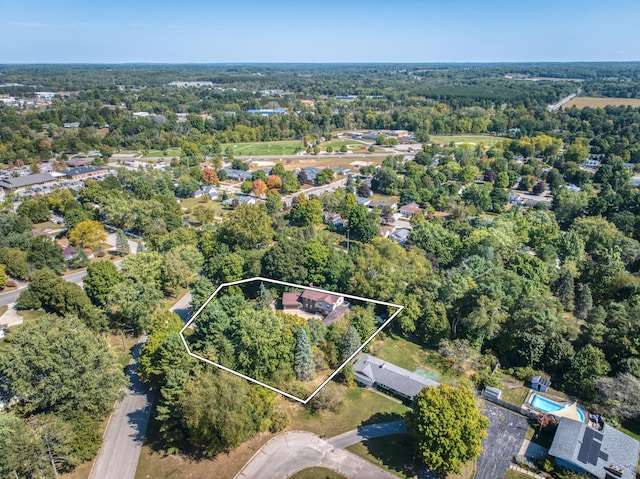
column 193, row 203
column 317, row 473
column 121, row 345
column 488, row 140
column 361, row 406
column 392, row 453
column 515, row 396
column 48, row 225
column 395, row 454
column 511, row 474
column 410, row 355
column 175, row 152
column 632, row 428
column 266, row 148
column 3, row 309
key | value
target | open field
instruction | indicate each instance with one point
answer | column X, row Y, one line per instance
column 173, row 152
column 584, row 101
column 287, row 147
column 192, row 203
column 488, row 140
column 323, row 160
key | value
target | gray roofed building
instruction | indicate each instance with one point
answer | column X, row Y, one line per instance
column 401, row 235
column 309, row 175
column 372, row 371
column 606, row 454
column 238, row 175
column 26, row 181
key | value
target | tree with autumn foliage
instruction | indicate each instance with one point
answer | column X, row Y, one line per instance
column 209, row 176
column 88, row 234
column 274, row 182
column 259, row 188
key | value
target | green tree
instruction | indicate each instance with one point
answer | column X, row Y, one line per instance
column 306, row 212
column 584, row 302
column 247, row 227
column 84, row 375
column 101, row 277
column 45, row 254
column 447, row 427
column 350, row 342
column 15, row 262
column 587, row 365
column 282, row 262
column 122, row 244
column 565, row 289
column 133, row 303
column 36, row 210
column 303, row 363
column 364, row 224
column 384, row 181
column 325, row 176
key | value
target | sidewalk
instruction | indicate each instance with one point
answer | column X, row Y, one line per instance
column 11, row 316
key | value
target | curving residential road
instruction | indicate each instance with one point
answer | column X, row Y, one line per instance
column 287, row 453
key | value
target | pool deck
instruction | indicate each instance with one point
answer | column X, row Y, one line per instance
column 560, row 401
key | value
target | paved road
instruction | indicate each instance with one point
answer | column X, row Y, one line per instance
column 123, row 438
column 505, row 436
column 367, row 432
column 318, row 190
column 122, row 441
column 293, row 451
column 564, row 101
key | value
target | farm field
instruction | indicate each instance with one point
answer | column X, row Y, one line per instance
column 585, row 101
column 488, row 140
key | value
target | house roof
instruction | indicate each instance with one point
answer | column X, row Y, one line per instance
column 410, row 208
column 28, row 180
column 232, row 173
column 391, row 376
column 540, row 380
column 310, row 172
column 593, row 450
column 290, row 299
column 319, row 296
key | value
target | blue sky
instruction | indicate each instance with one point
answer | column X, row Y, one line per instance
column 183, row 31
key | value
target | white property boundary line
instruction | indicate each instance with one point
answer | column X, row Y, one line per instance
column 293, row 285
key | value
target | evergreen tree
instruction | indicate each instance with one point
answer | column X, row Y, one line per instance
column 350, row 342
column 565, row 289
column 584, row 302
column 141, row 248
column 122, row 244
column 265, row 298
column 303, row 364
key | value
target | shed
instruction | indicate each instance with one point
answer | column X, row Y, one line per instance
column 492, row 393
column 538, row 383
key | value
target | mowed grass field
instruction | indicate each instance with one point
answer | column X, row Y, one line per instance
column 487, row 140
column 584, row 101
column 289, row 147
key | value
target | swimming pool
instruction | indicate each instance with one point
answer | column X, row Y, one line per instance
column 546, row 405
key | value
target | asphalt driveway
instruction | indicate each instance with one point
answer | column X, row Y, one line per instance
column 505, row 436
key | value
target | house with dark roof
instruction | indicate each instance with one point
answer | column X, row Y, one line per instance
column 290, row 301
column 320, row 302
column 309, row 175
column 374, row 372
column 237, row 175
column 605, row 454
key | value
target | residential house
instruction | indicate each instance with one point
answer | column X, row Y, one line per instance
column 363, row 201
column 237, row 175
column 400, row 235
column 209, row 191
column 308, row 175
column 605, row 454
column 264, row 112
column 240, row 200
column 382, row 204
column 320, row 301
column 410, row 209
column 374, row 372
column 291, row 301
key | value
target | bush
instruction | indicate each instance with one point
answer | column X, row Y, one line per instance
column 330, row 398
column 279, row 421
column 524, row 373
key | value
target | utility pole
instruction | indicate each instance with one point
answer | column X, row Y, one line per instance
column 53, row 464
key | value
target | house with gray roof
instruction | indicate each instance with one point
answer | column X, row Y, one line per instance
column 605, row 454
column 309, row 175
column 374, row 372
column 237, row 175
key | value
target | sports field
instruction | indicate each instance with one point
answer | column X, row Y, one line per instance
column 584, row 101
column 291, row 147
